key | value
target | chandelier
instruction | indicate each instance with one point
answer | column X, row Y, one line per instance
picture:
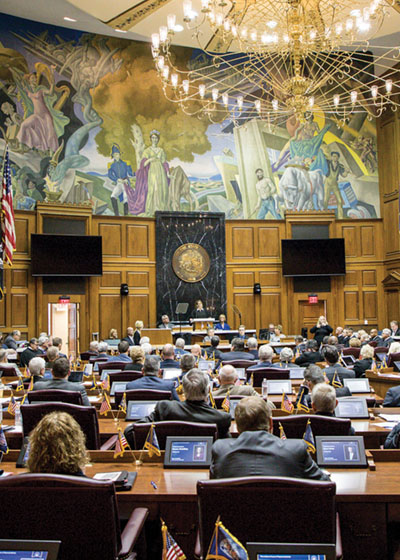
column 273, row 59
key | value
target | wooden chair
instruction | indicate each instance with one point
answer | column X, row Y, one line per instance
column 295, row 426
column 55, row 395
column 353, row 351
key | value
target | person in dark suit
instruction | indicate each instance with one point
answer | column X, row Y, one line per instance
column 392, row 397
column 199, row 312
column 252, row 346
column 180, row 348
column 12, row 339
column 394, row 326
column 168, row 355
column 60, row 381
column 331, row 357
column 130, row 336
column 227, row 378
column 310, row 355
column 321, row 329
column 386, row 338
column 102, row 350
column 194, row 409
column 265, row 353
column 365, row 360
column 212, row 351
column 137, row 334
column 165, row 323
column 285, row 358
column 152, row 378
column 123, row 349
column 324, row 402
column 237, row 352
column 36, row 369
column 393, row 439
column 313, row 376
column 30, row 352
column 137, row 356
column 257, row 452
column 374, row 337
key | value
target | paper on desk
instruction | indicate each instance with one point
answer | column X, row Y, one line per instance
column 391, row 417
column 93, row 399
column 4, row 400
column 387, row 425
column 107, row 476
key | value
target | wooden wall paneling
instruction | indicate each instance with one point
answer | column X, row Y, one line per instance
column 246, row 304
column 243, row 279
column 370, row 305
column 137, row 241
column 271, row 310
column 111, row 279
column 139, row 309
column 112, row 239
column 269, row 242
column 391, row 232
column 270, row 279
column 392, row 305
column 368, row 244
column 351, row 239
column 241, row 242
column 110, row 314
column 351, row 307
column 388, row 153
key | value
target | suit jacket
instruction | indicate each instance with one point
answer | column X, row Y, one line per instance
column 320, row 332
column 129, row 340
column 120, row 358
column 136, row 338
column 396, row 333
column 378, row 340
column 340, row 392
column 10, row 342
column 190, row 411
column 242, row 390
column 155, row 383
column 341, row 371
column 27, row 355
column 254, row 353
column 260, row 365
column 230, row 356
column 262, row 454
column 169, row 363
column 393, row 439
column 387, row 342
column 62, row 385
column 218, row 355
column 392, row 397
column 361, row 366
column 308, row 358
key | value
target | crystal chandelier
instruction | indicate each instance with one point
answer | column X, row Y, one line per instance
column 272, row 59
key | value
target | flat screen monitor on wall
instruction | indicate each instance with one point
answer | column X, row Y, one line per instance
column 313, row 257
column 66, row 255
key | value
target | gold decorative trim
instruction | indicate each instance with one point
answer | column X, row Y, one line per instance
column 128, row 19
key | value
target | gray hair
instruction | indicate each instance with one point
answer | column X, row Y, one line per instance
column 386, row 331
column 323, row 397
column 147, row 347
column 252, row 342
column 102, row 346
column 314, row 374
column 367, row 351
column 265, row 353
column 195, row 385
column 187, row 362
column 144, row 340
column 36, row 365
column 93, row 346
column 228, row 374
column 43, row 340
column 52, row 353
column 180, row 343
column 286, row 354
column 151, row 365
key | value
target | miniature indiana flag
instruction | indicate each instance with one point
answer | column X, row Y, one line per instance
column 225, row 545
column 302, row 402
column 286, row 404
column 336, row 381
column 151, row 443
column 20, row 385
column 282, row 434
column 211, row 397
column 308, row 437
column 122, row 404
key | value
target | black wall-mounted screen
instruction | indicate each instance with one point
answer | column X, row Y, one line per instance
column 313, row 257
column 66, row 255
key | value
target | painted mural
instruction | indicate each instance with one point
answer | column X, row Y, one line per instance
column 86, row 121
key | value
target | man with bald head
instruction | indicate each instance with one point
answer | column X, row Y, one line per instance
column 168, row 355
column 227, row 378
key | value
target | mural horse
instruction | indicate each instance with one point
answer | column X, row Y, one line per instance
column 302, row 189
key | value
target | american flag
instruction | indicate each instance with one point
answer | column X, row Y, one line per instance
column 282, row 434
column 105, row 405
column 122, row 404
column 171, row 550
column 106, row 383
column 286, row 405
column 12, row 405
column 7, row 225
column 226, row 403
column 121, row 444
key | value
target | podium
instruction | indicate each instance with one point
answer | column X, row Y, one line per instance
column 203, row 323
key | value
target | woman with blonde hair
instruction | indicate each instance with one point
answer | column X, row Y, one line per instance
column 136, row 335
column 137, row 356
column 57, row 446
column 113, row 335
column 365, row 360
column 321, row 329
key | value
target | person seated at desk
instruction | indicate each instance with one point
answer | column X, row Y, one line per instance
column 257, row 452
column 285, row 358
column 94, row 348
column 252, row 347
column 165, row 324
column 209, row 335
column 60, row 372
column 147, row 349
column 394, row 327
column 102, row 348
column 43, row 344
column 52, row 354
column 196, row 351
column 57, row 446
column 331, row 357
column 36, row 368
column 242, row 332
column 313, row 376
column 12, row 339
column 277, row 335
column 212, row 352
column 12, row 369
column 265, row 353
column 392, row 397
column 194, row 409
column 393, row 439
column 29, row 353
column 310, row 355
column 227, row 378
column 180, row 348
column 222, row 325
column 374, row 337
column 168, row 355
column 152, row 379
column 386, row 337
column 188, row 362
column 137, row 356
column 57, row 342
column 199, row 312
column 237, row 352
column 113, row 334
column 324, row 402
column 394, row 348
column 365, row 360
column 130, row 339
column 300, row 345
column 123, row 349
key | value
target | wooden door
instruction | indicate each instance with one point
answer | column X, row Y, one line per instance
column 309, row 313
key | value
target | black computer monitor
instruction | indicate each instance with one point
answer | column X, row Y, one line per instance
column 188, row 451
column 21, row 550
column 340, row 451
column 118, row 386
column 139, row 409
column 279, row 386
column 290, row 551
column 352, row 407
column 359, row 385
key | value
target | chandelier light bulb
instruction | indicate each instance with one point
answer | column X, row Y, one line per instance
column 374, row 91
column 185, row 86
column 272, row 24
column 155, row 40
column 257, row 105
column 353, row 97
column 171, row 21
column 160, row 62
column 313, row 34
column 336, row 100
column 225, row 99
column 204, row 5
column 388, row 86
column 202, row 90
column 165, row 72
column 243, row 33
column 174, row 80
column 227, row 25
column 275, row 104
column 311, row 102
column 240, row 102
column 234, row 30
column 163, row 33
column 187, row 10
column 215, row 94
column 253, row 35
column 219, row 19
column 349, row 24
column 211, row 16
column 264, row 38
column 339, row 28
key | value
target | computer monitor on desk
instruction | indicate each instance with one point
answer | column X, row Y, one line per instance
column 23, row 549
column 139, row 409
column 360, row 385
column 352, row 407
column 303, row 551
column 279, row 386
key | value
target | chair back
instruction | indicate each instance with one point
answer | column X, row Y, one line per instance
column 395, row 357
column 373, row 343
column 239, row 363
column 124, row 376
column 85, row 356
column 295, row 426
column 219, row 400
column 171, row 428
column 56, row 395
column 380, row 350
column 267, row 373
column 95, row 359
column 8, row 370
column 268, row 509
column 117, row 366
column 86, row 416
column 62, row 509
column 142, row 395
column 353, row 351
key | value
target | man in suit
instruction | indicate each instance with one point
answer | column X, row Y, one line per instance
column 227, row 378
column 123, row 349
column 252, row 346
column 102, row 349
column 194, row 409
column 180, row 347
column 57, row 341
column 324, row 402
column 129, row 336
column 12, row 339
column 393, row 439
column 152, row 379
column 36, row 369
column 331, row 357
column 394, row 325
column 43, row 345
column 212, row 351
column 29, row 353
column 165, row 324
column 265, row 353
column 188, row 362
column 386, row 337
column 237, row 352
column 257, row 452
column 314, row 376
column 310, row 355
column 374, row 337
column 168, row 355
column 60, row 381
column 392, row 397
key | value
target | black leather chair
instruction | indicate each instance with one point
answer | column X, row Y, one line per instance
column 267, row 373
column 295, row 426
column 59, row 507
column 124, row 376
column 268, row 509
column 391, row 358
column 7, row 370
column 85, row 356
column 171, row 428
column 239, row 363
column 55, row 395
column 86, row 416
column 142, row 395
column 353, row 351
column 115, row 366
column 380, row 350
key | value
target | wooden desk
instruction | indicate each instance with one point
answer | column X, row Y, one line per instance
column 158, row 336
column 366, row 501
column 381, row 382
